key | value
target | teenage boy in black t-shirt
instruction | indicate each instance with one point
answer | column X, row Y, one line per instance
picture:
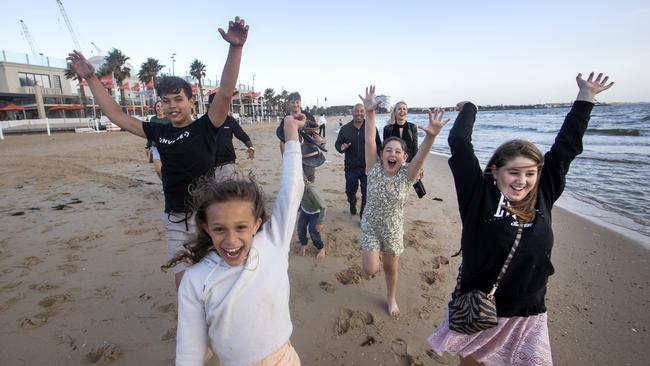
column 186, row 147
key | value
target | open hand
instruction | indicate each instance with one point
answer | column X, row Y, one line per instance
column 80, row 65
column 369, row 102
column 297, row 119
column 590, row 87
column 435, row 123
column 237, row 32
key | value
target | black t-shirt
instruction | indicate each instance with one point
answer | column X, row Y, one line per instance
column 225, row 150
column 186, row 154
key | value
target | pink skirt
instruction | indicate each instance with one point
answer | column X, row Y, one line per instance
column 514, row 341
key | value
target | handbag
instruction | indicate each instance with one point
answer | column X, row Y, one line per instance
column 475, row 310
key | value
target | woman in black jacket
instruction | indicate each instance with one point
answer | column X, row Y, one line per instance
column 518, row 187
column 398, row 126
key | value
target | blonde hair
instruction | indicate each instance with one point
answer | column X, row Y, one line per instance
column 524, row 209
column 392, row 120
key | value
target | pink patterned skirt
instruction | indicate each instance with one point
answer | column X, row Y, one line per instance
column 514, row 341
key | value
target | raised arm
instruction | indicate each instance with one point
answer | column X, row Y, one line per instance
column 110, row 108
column 431, row 131
column 568, row 143
column 285, row 210
column 236, row 36
column 370, row 130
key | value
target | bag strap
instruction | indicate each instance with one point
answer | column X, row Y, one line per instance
column 507, row 262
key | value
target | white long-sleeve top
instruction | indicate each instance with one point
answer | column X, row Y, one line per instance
column 243, row 311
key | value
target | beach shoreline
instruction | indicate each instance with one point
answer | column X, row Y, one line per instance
column 82, row 244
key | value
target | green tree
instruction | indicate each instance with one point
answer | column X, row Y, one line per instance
column 114, row 64
column 71, row 75
column 283, row 99
column 269, row 99
column 197, row 71
column 149, row 70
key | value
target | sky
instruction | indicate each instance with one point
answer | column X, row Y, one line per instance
column 428, row 53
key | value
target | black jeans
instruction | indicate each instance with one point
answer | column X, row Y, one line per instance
column 354, row 178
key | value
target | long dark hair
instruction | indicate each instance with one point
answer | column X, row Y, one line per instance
column 524, row 209
column 206, row 192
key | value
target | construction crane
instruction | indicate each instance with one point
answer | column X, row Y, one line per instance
column 69, row 24
column 99, row 50
column 29, row 39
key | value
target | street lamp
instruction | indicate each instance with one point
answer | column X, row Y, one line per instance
column 173, row 62
column 253, row 99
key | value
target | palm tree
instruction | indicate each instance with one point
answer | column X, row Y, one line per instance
column 269, row 96
column 114, row 64
column 71, row 75
column 282, row 100
column 149, row 71
column 197, row 71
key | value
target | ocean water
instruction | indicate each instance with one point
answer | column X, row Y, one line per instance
column 609, row 182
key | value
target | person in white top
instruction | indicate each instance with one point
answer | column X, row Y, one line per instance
column 322, row 121
column 234, row 298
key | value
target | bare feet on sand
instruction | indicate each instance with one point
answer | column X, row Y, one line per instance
column 320, row 254
column 303, row 250
column 393, row 309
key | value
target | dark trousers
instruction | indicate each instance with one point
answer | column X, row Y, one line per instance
column 321, row 130
column 306, row 220
column 354, row 178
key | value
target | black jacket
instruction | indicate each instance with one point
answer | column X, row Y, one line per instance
column 410, row 136
column 355, row 155
column 489, row 231
column 225, row 151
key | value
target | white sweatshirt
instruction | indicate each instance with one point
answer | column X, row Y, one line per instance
column 243, row 311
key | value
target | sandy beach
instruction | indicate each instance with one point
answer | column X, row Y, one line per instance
column 81, row 244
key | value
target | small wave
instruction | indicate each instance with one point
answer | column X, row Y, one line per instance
column 646, row 118
column 614, row 131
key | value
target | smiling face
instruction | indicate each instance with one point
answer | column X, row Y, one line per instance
column 517, row 178
column 401, row 111
column 295, row 106
column 358, row 114
column 158, row 107
column 178, row 108
column 231, row 226
column 392, row 157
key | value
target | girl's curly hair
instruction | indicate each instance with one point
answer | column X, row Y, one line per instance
column 207, row 191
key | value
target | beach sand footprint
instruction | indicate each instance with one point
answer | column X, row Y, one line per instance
column 42, row 287
column 351, row 275
column 431, row 277
column 353, row 319
column 102, row 355
column 54, row 300
column 169, row 335
column 399, row 347
column 327, row 287
column 32, row 261
column 33, row 322
column 437, row 261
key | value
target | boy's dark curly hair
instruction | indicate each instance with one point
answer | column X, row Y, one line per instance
column 173, row 85
column 207, row 191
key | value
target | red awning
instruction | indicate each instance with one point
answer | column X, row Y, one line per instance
column 12, row 107
column 65, row 107
column 137, row 107
column 107, row 81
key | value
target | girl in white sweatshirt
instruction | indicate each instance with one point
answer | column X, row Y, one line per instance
column 234, row 298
